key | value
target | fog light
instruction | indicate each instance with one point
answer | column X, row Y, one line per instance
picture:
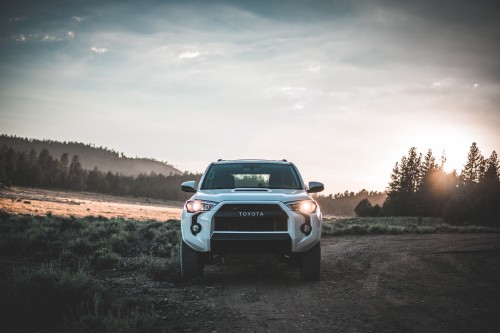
column 195, row 228
column 306, row 228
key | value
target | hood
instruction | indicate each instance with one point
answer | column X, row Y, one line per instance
column 241, row 194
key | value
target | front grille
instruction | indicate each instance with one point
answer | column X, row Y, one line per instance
column 250, row 217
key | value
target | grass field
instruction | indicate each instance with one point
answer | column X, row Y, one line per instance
column 21, row 200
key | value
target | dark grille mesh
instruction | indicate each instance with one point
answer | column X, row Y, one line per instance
column 250, row 217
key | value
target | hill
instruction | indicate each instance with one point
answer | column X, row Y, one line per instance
column 91, row 156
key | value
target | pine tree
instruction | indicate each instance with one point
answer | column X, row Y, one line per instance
column 395, row 184
column 492, row 168
column 411, row 171
column 429, row 163
column 474, row 168
column 94, row 180
column 405, row 181
column 76, row 175
column 428, row 189
column 9, row 166
column 63, row 169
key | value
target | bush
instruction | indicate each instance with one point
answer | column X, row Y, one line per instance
column 42, row 296
column 159, row 269
column 104, row 258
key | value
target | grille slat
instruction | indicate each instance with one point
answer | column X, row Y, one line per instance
column 250, row 217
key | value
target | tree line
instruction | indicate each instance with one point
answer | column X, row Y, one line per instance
column 90, row 156
column 27, row 168
column 420, row 186
column 345, row 203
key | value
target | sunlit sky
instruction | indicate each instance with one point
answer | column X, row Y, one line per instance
column 343, row 89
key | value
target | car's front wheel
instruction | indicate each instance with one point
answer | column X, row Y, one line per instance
column 192, row 263
column 310, row 264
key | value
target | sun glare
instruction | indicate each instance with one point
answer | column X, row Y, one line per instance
column 448, row 142
column 448, row 168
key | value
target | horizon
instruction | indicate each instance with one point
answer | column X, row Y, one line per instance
column 342, row 89
column 122, row 155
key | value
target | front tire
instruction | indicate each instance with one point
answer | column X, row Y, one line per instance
column 310, row 264
column 192, row 264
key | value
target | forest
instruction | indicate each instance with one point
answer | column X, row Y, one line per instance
column 419, row 186
column 42, row 170
column 90, row 156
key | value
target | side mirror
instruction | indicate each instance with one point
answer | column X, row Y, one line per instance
column 315, row 187
column 188, row 186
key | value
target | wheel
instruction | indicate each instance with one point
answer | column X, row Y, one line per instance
column 310, row 264
column 192, row 264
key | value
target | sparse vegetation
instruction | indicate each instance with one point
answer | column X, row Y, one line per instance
column 35, row 298
column 396, row 225
column 61, row 292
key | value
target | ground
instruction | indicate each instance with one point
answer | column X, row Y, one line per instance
column 370, row 283
column 20, row 200
column 416, row 283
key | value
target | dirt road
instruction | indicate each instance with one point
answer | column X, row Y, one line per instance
column 416, row 283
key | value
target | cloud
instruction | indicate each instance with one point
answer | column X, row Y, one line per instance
column 292, row 91
column 98, row 50
column 314, row 67
column 15, row 19
column 19, row 38
column 356, row 70
column 49, row 38
column 189, row 55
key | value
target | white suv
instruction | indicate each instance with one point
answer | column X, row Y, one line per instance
column 251, row 206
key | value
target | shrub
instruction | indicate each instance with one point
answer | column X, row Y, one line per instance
column 159, row 269
column 104, row 258
column 100, row 317
column 39, row 297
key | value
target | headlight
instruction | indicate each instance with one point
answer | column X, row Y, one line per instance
column 194, row 206
column 305, row 206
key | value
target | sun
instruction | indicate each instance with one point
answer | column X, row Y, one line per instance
column 448, row 142
column 449, row 168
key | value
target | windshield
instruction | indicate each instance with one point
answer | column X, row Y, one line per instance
column 251, row 175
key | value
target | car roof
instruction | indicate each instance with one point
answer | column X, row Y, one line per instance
column 221, row 161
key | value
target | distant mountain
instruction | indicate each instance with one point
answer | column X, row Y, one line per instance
column 91, row 156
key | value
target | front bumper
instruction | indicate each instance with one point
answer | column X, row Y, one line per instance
column 291, row 240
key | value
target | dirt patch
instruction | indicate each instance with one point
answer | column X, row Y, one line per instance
column 17, row 200
column 417, row 283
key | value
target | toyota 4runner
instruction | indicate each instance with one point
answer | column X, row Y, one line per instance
column 251, row 206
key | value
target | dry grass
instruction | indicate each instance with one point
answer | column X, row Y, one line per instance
column 38, row 202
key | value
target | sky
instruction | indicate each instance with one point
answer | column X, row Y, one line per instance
column 341, row 88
